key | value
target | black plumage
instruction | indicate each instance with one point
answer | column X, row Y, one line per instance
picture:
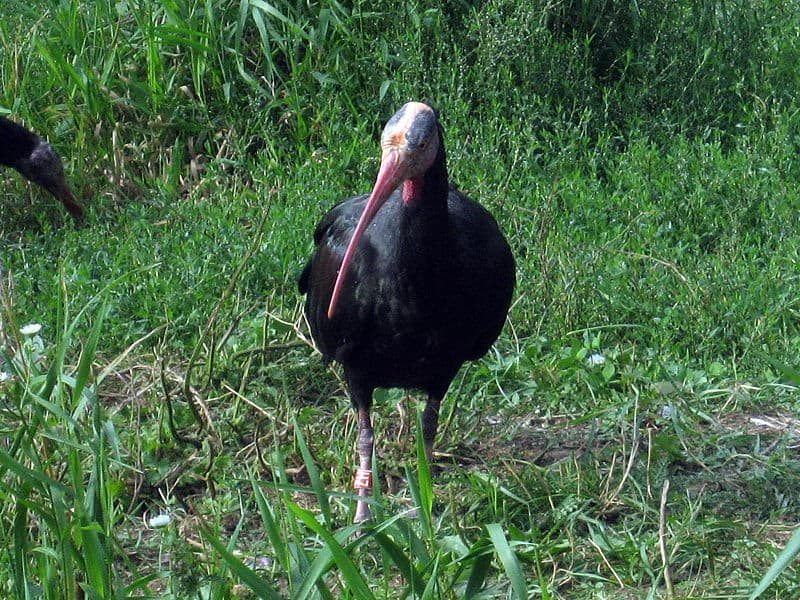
column 426, row 282
column 36, row 160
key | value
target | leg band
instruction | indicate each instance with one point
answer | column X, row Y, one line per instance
column 363, row 480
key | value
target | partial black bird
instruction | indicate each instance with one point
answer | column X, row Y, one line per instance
column 36, row 160
column 406, row 283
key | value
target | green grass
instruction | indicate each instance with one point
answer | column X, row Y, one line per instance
column 640, row 158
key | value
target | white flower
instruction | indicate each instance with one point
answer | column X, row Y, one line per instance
column 4, row 376
column 31, row 329
column 595, row 360
column 159, row 521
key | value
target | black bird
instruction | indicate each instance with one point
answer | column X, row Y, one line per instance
column 36, row 160
column 406, row 283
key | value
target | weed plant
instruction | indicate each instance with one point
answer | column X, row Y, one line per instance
column 169, row 432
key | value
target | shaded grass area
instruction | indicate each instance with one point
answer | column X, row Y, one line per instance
column 642, row 163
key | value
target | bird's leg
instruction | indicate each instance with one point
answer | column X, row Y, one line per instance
column 430, row 423
column 363, row 479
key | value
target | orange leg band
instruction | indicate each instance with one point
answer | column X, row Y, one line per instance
column 363, row 480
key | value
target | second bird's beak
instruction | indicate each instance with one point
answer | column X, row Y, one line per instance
column 60, row 189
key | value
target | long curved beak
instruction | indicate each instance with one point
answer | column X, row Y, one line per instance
column 60, row 189
column 390, row 175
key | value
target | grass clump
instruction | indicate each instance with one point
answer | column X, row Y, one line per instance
column 631, row 433
column 60, row 465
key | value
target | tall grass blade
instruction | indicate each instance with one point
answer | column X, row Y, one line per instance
column 353, row 580
column 20, row 552
column 276, row 539
column 786, row 556
column 430, row 591
column 417, row 546
column 509, row 560
column 269, row 9
column 312, row 576
column 95, row 561
column 481, row 562
column 87, row 357
column 313, row 474
column 425, row 480
column 249, row 577
column 29, row 475
column 421, row 485
column 401, row 561
column 66, row 539
column 300, row 561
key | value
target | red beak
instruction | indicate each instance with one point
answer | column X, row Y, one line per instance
column 390, row 175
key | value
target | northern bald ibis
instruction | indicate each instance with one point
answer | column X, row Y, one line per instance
column 406, row 283
column 36, row 160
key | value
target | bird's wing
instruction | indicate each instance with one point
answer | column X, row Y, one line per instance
column 333, row 232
